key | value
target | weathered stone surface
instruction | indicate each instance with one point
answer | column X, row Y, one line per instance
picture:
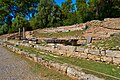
column 69, row 53
column 116, row 61
column 76, row 54
column 117, row 55
column 86, row 51
column 32, row 56
column 95, row 52
column 106, row 59
column 72, row 72
column 103, row 52
column 39, row 59
column 110, row 53
column 83, row 55
column 63, row 68
column 91, row 77
column 94, row 57
column 81, row 50
column 57, row 66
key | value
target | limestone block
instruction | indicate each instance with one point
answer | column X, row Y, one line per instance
column 46, row 63
column 106, row 59
column 76, row 54
column 81, row 50
column 56, row 66
column 95, row 52
column 94, row 57
column 116, row 61
column 103, row 52
column 20, row 52
column 32, row 56
column 62, row 52
column 73, row 72
column 40, row 59
column 86, row 51
column 110, row 53
column 63, row 68
column 91, row 77
column 117, row 55
column 83, row 55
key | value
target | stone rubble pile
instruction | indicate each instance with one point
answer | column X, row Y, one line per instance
column 73, row 72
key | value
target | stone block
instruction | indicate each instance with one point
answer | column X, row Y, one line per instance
column 86, row 51
column 106, row 59
column 81, row 50
column 116, row 61
column 95, row 52
column 117, row 55
column 76, row 54
column 72, row 72
column 83, row 55
column 56, row 66
column 63, row 68
column 94, row 57
column 32, row 56
column 40, row 59
column 103, row 52
column 91, row 77
column 110, row 53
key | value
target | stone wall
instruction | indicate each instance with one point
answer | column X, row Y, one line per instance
column 73, row 72
column 107, row 56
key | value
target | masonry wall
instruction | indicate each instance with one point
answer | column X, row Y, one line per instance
column 73, row 72
column 108, row 56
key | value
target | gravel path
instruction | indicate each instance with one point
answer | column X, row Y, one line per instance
column 13, row 67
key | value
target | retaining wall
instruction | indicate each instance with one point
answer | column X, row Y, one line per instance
column 73, row 72
column 107, row 56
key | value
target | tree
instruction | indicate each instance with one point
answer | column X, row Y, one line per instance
column 100, row 9
column 69, row 14
column 19, row 22
column 81, row 10
column 49, row 14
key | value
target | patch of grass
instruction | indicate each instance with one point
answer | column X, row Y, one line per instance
column 112, row 43
column 59, row 34
column 48, row 73
column 42, row 70
column 88, row 66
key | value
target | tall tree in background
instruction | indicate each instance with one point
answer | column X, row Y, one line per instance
column 49, row 14
column 19, row 22
column 10, row 8
column 81, row 10
column 69, row 14
column 26, row 7
column 5, row 16
column 100, row 9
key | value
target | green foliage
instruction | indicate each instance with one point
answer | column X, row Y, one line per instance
column 46, row 13
column 4, row 29
column 111, row 43
column 82, row 9
column 69, row 13
column 49, row 14
column 34, row 23
column 20, row 22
